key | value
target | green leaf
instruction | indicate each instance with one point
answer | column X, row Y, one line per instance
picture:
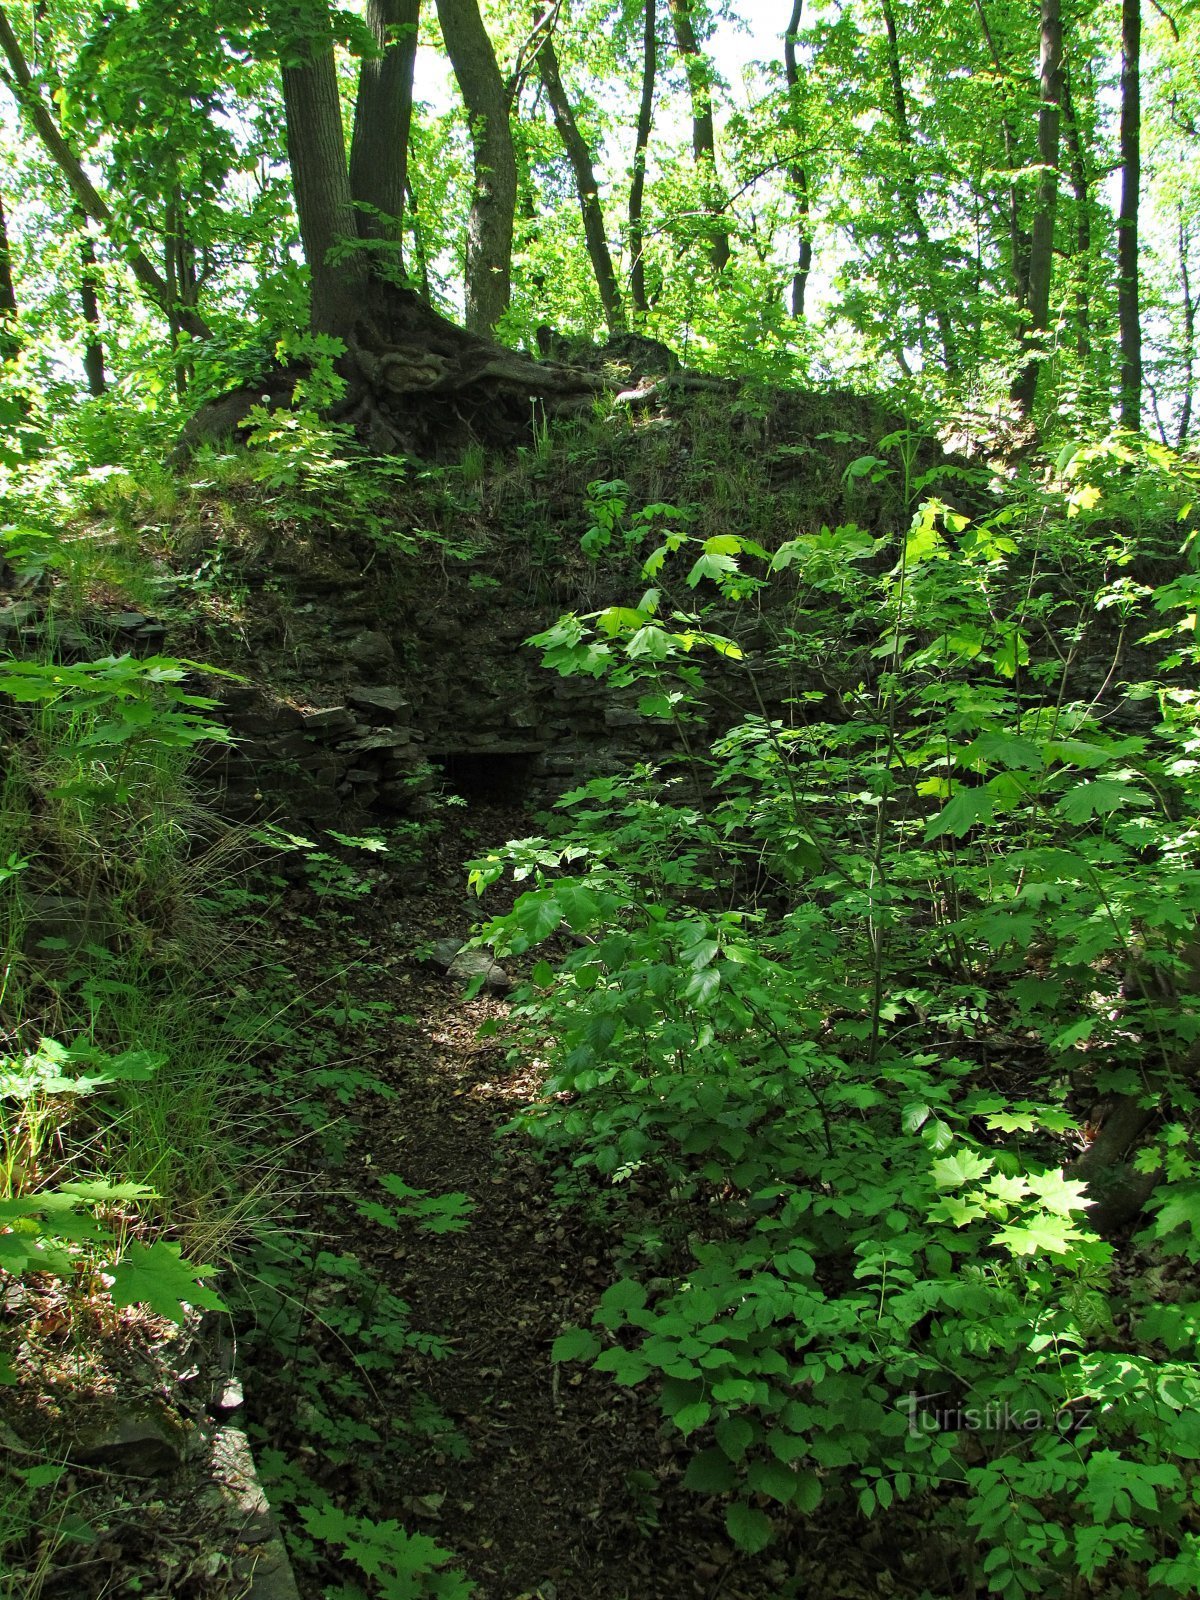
column 156, row 1275
column 1180, row 1210
column 1041, row 1235
column 690, row 1417
column 711, row 565
column 735, row 1435
column 537, row 913
column 651, row 643
column 710, row 1472
column 968, row 808
column 576, row 1344
column 749, row 1528
column 628, row 1367
column 1099, row 797
column 618, row 1300
column 965, row 1166
column 1011, row 653
column 1058, row 1194
column 808, row 1492
column 774, row 1480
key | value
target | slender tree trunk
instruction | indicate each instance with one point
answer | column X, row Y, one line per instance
column 382, row 119
column 704, row 144
column 637, row 189
column 317, row 156
column 10, row 342
column 909, row 190
column 580, row 158
column 494, row 200
column 1018, row 238
column 93, row 343
column 1189, row 336
column 425, row 288
column 1128, row 299
column 1041, row 247
column 25, row 92
column 798, row 173
column 1082, row 191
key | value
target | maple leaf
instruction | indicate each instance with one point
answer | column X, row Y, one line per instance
column 156, row 1275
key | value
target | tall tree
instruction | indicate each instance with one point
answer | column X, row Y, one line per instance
column 494, row 196
column 910, row 191
column 321, row 182
column 1018, row 236
column 641, row 146
column 704, row 143
column 1188, row 353
column 1128, row 298
column 19, row 80
column 9, row 340
column 1041, row 243
column 1081, row 189
column 797, row 171
column 382, row 121
column 588, row 189
column 93, row 342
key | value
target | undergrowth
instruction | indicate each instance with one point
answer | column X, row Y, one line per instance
column 169, row 1103
column 878, row 1035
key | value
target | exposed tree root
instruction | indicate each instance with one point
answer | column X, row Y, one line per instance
column 415, row 381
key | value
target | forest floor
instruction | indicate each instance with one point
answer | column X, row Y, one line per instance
column 560, row 1485
column 543, row 1482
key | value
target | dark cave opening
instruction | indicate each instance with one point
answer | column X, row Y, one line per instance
column 486, row 775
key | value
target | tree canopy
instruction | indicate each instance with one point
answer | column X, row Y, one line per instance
column 990, row 208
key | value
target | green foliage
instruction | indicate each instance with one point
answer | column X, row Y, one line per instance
column 782, row 1051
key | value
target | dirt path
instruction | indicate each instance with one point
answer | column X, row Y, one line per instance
column 570, row 1489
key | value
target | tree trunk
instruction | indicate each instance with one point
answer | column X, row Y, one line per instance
column 382, row 119
column 1189, row 336
column 93, row 346
column 909, row 191
column 704, row 145
column 1128, row 306
column 10, row 342
column 424, row 287
column 580, row 158
column 317, row 156
column 798, row 173
column 637, row 188
column 1041, row 247
column 148, row 279
column 1018, row 238
column 1081, row 189
column 494, row 200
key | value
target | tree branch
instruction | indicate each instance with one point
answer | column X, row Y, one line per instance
column 20, row 82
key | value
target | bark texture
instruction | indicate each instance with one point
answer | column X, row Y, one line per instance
column 797, row 172
column 580, row 158
column 1129, row 313
column 9, row 342
column 382, row 121
column 1041, row 247
column 704, row 144
column 494, row 199
column 317, row 156
column 1082, row 190
column 637, row 188
column 93, row 343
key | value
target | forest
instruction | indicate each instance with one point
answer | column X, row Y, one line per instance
column 599, row 800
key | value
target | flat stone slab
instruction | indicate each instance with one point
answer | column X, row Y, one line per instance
column 457, row 961
column 264, row 1565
